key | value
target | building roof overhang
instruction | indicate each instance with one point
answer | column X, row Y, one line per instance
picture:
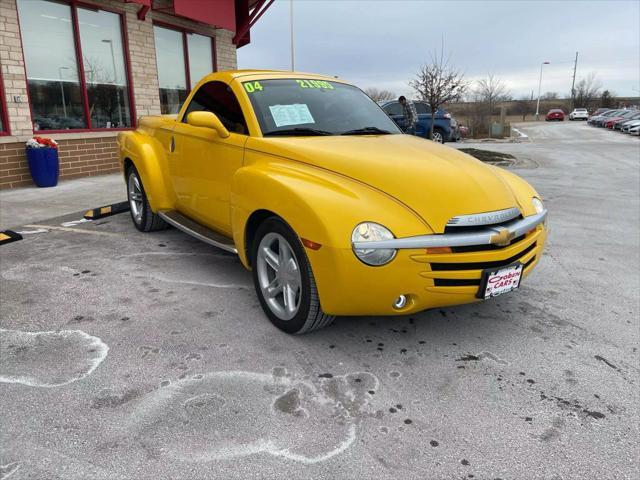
column 237, row 16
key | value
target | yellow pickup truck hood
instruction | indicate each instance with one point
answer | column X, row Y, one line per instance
column 435, row 181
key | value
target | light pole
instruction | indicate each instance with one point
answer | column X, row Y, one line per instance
column 64, row 103
column 291, row 29
column 115, row 80
column 539, row 87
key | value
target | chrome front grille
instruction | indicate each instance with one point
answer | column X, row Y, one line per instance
column 463, row 268
column 482, row 265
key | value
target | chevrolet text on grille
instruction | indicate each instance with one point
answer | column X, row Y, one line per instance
column 486, row 218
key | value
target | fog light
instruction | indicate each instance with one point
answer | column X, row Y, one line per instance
column 400, row 302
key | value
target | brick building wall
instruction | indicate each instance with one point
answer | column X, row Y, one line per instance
column 80, row 157
column 13, row 72
column 93, row 153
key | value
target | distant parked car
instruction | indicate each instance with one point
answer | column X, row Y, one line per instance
column 599, row 111
column 579, row 114
column 615, row 123
column 618, row 117
column 445, row 128
column 554, row 114
column 634, row 131
column 598, row 120
column 628, row 125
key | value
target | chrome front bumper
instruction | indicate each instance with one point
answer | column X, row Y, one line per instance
column 501, row 235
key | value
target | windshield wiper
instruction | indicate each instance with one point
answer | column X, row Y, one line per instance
column 366, row 130
column 298, row 131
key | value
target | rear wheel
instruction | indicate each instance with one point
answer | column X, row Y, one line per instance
column 143, row 217
column 284, row 281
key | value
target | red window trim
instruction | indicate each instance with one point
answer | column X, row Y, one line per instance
column 4, row 115
column 185, row 48
column 74, row 5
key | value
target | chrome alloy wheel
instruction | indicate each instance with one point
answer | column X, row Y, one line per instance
column 437, row 137
column 135, row 197
column 279, row 276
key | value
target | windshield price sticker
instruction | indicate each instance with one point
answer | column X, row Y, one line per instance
column 296, row 114
column 252, row 87
column 314, row 84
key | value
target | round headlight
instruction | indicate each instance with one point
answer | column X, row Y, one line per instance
column 369, row 232
column 537, row 204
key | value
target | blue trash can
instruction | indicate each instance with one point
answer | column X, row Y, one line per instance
column 44, row 166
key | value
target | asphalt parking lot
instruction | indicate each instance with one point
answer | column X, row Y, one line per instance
column 146, row 356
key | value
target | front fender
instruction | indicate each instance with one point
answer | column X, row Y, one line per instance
column 319, row 205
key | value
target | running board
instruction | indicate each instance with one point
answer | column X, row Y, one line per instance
column 178, row 220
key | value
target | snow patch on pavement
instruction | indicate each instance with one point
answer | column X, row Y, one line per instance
column 49, row 358
column 231, row 414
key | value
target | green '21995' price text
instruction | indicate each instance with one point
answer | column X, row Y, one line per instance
column 314, row 84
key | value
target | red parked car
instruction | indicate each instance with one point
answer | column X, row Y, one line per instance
column 554, row 114
column 619, row 117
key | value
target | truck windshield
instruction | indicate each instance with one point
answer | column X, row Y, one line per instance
column 304, row 107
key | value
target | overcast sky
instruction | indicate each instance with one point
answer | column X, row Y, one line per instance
column 381, row 43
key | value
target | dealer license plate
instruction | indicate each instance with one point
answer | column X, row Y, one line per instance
column 497, row 282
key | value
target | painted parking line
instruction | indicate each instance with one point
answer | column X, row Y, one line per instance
column 8, row 236
column 74, row 230
column 107, row 210
column 73, row 223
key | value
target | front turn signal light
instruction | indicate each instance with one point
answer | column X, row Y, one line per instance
column 435, row 250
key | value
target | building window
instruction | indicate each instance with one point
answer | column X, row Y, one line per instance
column 182, row 59
column 105, row 70
column 171, row 69
column 69, row 91
column 200, row 50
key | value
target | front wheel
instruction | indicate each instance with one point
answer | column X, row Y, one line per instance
column 284, row 281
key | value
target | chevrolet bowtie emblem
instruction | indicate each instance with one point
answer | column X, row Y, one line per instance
column 502, row 237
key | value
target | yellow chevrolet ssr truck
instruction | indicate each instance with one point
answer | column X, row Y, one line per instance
column 333, row 209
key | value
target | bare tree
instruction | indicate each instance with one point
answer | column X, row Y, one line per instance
column 437, row 83
column 550, row 96
column 523, row 106
column 607, row 100
column 587, row 91
column 379, row 95
column 491, row 90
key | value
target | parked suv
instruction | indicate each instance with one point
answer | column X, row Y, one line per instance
column 445, row 128
column 579, row 114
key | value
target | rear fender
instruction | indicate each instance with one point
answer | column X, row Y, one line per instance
column 148, row 156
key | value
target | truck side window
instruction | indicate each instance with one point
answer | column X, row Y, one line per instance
column 421, row 108
column 393, row 109
column 218, row 98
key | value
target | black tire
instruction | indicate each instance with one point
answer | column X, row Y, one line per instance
column 146, row 221
column 440, row 138
column 309, row 316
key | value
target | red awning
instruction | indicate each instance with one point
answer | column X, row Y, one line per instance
column 219, row 13
column 237, row 16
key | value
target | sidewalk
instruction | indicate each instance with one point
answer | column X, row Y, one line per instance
column 32, row 204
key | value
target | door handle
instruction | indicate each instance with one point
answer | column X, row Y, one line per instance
column 172, row 145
